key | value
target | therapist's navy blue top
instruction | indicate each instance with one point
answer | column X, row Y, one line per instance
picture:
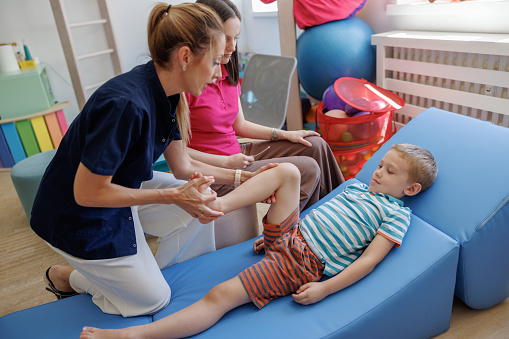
column 123, row 129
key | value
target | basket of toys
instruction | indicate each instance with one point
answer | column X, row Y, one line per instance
column 355, row 118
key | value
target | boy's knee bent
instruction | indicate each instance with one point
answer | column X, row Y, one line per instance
column 289, row 170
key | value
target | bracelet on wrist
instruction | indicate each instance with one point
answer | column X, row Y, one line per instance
column 236, row 181
column 273, row 134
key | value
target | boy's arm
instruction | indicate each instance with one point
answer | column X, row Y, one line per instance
column 313, row 292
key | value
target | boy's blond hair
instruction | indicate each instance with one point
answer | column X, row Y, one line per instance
column 423, row 168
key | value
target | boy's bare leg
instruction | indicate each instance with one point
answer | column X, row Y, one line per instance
column 283, row 179
column 188, row 321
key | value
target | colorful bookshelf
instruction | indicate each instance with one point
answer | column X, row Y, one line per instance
column 21, row 137
column 27, row 137
column 13, row 142
column 5, row 155
column 54, row 128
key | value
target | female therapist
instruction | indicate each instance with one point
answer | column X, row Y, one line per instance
column 87, row 205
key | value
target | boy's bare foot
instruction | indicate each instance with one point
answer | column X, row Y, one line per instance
column 214, row 205
column 96, row 333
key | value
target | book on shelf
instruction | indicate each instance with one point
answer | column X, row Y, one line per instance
column 41, row 133
column 5, row 153
column 61, row 121
column 53, row 129
column 27, row 137
column 14, row 142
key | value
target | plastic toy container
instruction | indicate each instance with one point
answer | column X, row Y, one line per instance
column 365, row 122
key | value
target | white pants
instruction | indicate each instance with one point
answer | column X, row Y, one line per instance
column 181, row 237
column 134, row 285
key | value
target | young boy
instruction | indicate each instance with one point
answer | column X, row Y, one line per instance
column 345, row 238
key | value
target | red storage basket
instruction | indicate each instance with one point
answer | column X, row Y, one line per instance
column 354, row 133
column 354, row 139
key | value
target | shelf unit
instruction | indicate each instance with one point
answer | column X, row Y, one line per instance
column 23, row 136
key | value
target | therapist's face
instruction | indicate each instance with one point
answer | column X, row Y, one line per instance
column 205, row 70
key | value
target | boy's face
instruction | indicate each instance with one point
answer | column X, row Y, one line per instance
column 392, row 178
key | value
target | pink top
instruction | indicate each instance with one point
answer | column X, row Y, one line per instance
column 309, row 13
column 212, row 116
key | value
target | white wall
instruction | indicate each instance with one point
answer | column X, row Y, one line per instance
column 260, row 33
column 468, row 16
column 374, row 13
column 33, row 22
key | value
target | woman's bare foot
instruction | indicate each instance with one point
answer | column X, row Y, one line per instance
column 96, row 333
column 60, row 275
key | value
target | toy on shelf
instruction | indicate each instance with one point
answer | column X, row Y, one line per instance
column 366, row 121
column 8, row 61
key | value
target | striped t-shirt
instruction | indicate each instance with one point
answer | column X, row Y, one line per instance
column 339, row 230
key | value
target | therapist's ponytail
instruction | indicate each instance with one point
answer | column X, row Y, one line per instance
column 171, row 27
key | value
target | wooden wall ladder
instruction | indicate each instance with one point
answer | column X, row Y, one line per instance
column 64, row 30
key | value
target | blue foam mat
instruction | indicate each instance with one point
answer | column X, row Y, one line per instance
column 62, row 319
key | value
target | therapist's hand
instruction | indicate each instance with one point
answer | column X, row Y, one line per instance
column 194, row 196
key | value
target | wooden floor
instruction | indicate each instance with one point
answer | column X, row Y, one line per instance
column 24, row 257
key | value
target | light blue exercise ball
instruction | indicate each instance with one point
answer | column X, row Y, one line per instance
column 333, row 50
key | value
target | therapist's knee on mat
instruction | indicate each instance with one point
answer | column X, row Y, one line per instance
column 162, row 304
column 153, row 300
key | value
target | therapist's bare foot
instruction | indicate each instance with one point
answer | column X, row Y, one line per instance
column 60, row 275
column 124, row 333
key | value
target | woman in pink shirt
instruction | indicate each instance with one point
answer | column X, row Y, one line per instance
column 217, row 119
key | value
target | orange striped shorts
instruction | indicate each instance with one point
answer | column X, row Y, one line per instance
column 288, row 263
